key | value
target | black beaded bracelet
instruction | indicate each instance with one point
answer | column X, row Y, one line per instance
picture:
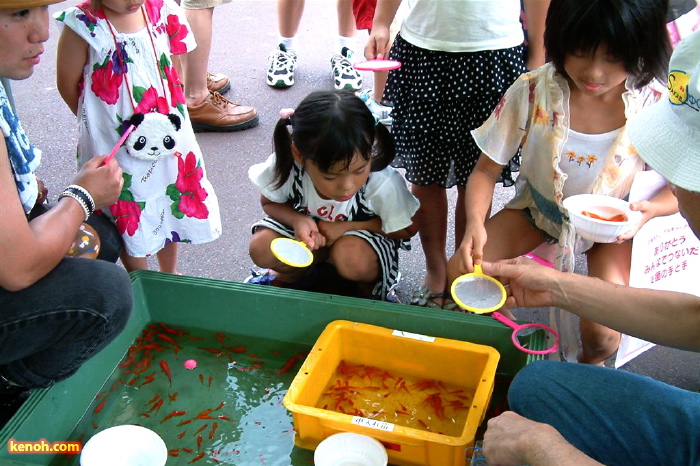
column 80, row 198
column 85, row 195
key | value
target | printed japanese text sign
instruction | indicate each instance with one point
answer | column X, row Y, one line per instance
column 665, row 256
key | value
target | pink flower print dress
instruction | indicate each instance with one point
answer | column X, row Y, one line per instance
column 166, row 195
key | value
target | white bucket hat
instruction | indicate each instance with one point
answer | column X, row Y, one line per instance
column 667, row 134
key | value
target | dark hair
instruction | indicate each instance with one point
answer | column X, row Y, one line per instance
column 331, row 127
column 633, row 31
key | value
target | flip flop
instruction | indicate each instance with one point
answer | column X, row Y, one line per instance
column 423, row 297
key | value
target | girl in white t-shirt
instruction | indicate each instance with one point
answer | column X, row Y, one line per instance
column 329, row 185
column 458, row 58
column 569, row 117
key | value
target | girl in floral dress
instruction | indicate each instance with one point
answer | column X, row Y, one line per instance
column 569, row 116
column 116, row 73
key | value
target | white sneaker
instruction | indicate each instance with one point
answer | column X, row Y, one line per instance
column 380, row 112
column 281, row 70
column 344, row 75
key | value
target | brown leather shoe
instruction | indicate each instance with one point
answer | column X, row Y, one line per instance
column 217, row 113
column 218, row 82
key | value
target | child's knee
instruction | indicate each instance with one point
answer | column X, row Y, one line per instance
column 610, row 262
column 259, row 247
column 355, row 260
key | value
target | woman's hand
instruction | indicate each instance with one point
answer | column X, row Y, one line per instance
column 103, row 182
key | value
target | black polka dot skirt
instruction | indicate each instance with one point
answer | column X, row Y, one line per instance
column 438, row 98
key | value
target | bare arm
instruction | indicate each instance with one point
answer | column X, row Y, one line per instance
column 379, row 40
column 512, row 440
column 334, row 230
column 30, row 250
column 664, row 317
column 72, row 55
column 479, row 191
column 663, row 203
column 535, row 14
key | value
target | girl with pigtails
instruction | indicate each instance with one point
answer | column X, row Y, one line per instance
column 329, row 185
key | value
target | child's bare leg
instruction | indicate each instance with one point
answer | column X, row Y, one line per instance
column 380, row 78
column 355, row 260
column 346, row 20
column 289, row 14
column 262, row 256
column 431, row 219
column 167, row 258
column 133, row 263
column 510, row 234
column 461, row 216
column 609, row 262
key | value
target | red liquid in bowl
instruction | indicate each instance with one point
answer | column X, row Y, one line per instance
column 609, row 214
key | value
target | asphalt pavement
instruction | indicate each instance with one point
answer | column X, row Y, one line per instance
column 245, row 32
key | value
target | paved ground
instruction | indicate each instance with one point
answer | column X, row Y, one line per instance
column 244, row 35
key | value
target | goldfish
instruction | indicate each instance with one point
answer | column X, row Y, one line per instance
column 166, row 369
column 173, row 414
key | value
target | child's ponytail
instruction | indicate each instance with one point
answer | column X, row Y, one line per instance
column 384, row 148
column 282, row 139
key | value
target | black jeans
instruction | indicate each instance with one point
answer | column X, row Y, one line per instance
column 48, row 330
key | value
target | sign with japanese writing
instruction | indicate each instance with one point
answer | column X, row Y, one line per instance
column 665, row 256
column 372, row 423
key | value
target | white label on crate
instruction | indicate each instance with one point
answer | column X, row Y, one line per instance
column 372, row 423
column 415, row 336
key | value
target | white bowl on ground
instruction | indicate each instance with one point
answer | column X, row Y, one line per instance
column 350, row 449
column 124, row 445
column 594, row 229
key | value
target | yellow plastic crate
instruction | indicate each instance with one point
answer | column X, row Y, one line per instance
column 451, row 361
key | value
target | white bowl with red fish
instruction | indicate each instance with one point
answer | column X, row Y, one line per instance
column 600, row 218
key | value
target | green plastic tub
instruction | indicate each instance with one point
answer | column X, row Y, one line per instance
column 270, row 313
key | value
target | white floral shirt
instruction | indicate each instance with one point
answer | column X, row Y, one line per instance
column 534, row 114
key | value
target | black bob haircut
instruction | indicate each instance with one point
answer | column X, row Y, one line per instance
column 632, row 31
column 329, row 128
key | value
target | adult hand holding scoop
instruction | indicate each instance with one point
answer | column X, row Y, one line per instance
column 481, row 294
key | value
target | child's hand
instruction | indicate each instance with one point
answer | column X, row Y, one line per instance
column 43, row 191
column 645, row 208
column 332, row 230
column 378, row 44
column 471, row 251
column 649, row 210
column 306, row 230
column 663, row 203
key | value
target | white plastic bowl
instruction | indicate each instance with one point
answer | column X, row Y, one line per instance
column 600, row 231
column 122, row 445
column 350, row 449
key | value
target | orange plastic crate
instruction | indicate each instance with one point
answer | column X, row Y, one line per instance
column 455, row 362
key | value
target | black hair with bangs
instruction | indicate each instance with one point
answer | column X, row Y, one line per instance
column 632, row 31
column 330, row 128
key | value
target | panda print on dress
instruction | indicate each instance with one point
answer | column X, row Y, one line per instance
column 154, row 137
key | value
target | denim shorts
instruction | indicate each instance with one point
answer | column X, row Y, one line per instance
column 201, row 4
column 546, row 237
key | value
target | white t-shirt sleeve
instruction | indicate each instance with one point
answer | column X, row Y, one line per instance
column 388, row 196
column 263, row 177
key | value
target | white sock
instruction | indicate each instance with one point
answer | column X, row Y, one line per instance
column 344, row 41
column 290, row 43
